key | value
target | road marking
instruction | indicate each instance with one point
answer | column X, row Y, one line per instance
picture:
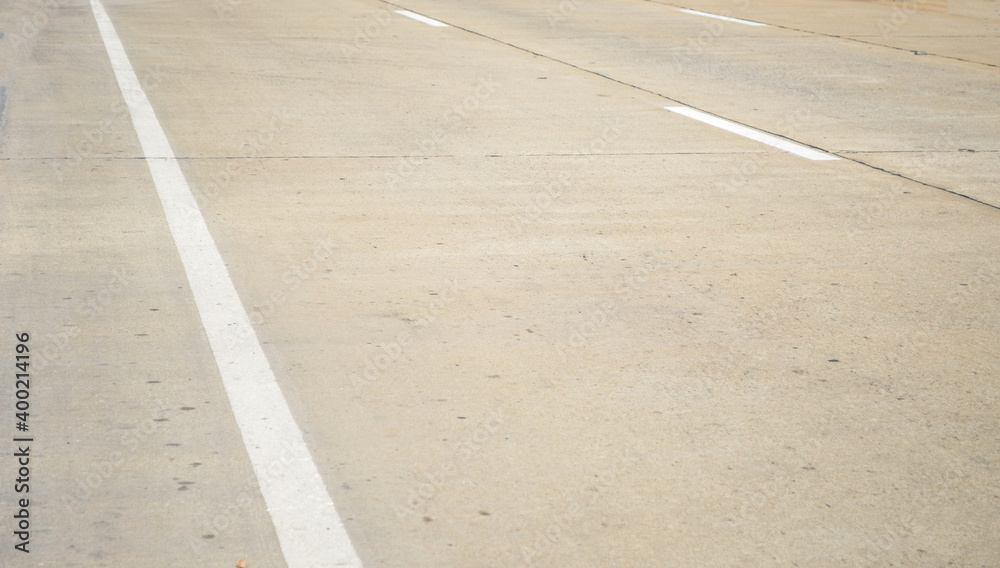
column 423, row 19
column 309, row 530
column 726, row 18
column 752, row 134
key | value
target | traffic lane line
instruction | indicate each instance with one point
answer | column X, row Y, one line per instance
column 752, row 134
column 724, row 18
column 423, row 19
column 308, row 527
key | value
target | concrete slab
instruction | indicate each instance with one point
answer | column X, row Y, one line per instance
column 957, row 32
column 543, row 324
column 744, row 73
column 138, row 457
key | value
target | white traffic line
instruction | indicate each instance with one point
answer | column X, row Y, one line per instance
column 752, row 134
column 423, row 19
column 309, row 530
column 725, row 18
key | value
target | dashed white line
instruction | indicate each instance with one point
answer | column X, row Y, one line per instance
column 309, row 530
column 725, row 18
column 752, row 134
column 423, row 19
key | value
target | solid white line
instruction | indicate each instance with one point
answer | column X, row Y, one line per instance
column 752, row 134
column 726, row 18
column 309, row 530
column 423, row 19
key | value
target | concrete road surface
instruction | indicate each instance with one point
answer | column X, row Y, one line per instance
column 505, row 283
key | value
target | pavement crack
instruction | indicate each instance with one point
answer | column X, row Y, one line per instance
column 955, row 151
column 619, row 81
column 680, row 102
column 846, row 37
column 923, row 183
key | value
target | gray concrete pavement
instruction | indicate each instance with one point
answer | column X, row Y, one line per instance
column 523, row 315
